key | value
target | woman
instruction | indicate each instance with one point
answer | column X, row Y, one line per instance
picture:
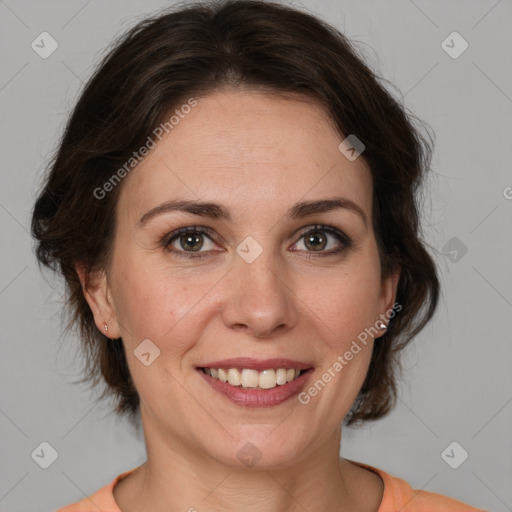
column 233, row 209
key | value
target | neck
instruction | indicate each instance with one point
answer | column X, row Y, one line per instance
column 177, row 476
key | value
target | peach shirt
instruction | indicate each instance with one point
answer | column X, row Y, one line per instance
column 398, row 496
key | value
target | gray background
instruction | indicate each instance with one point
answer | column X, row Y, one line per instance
column 458, row 381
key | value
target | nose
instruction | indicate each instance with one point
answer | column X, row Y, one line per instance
column 260, row 301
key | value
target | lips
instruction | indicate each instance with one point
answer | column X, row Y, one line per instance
column 257, row 397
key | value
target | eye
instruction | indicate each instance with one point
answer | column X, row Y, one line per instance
column 187, row 241
column 316, row 239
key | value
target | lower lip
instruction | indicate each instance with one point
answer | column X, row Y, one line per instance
column 258, row 397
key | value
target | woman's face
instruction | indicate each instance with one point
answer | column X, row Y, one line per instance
column 251, row 283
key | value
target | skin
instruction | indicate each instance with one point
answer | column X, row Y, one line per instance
column 257, row 155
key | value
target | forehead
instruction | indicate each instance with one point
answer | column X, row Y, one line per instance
column 249, row 150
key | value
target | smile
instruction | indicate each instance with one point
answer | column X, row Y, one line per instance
column 251, row 382
column 250, row 379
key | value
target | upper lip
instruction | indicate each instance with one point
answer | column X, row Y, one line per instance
column 257, row 364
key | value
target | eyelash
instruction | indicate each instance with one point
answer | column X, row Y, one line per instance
column 171, row 237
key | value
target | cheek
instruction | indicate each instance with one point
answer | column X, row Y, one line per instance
column 140, row 303
column 345, row 305
column 155, row 303
column 152, row 306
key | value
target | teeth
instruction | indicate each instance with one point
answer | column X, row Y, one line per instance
column 234, row 377
column 268, row 379
column 248, row 378
column 281, row 376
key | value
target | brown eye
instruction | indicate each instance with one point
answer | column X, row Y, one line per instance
column 319, row 240
column 187, row 241
column 315, row 240
column 193, row 242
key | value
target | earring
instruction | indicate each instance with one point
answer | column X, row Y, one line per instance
column 382, row 325
column 106, row 330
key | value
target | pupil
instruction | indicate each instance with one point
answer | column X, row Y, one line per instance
column 191, row 238
column 313, row 236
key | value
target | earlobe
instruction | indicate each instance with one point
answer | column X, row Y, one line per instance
column 96, row 291
column 389, row 289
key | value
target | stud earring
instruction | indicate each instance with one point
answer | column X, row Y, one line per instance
column 106, row 330
column 382, row 325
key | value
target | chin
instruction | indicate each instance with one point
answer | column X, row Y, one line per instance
column 258, row 448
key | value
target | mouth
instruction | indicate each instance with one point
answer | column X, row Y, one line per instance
column 247, row 378
column 256, row 383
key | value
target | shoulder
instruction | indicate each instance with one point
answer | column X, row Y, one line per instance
column 102, row 499
column 399, row 495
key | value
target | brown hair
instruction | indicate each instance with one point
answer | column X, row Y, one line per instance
column 200, row 48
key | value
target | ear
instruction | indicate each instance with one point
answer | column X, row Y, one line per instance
column 96, row 291
column 388, row 289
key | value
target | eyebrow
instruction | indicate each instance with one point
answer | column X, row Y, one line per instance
column 218, row 212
